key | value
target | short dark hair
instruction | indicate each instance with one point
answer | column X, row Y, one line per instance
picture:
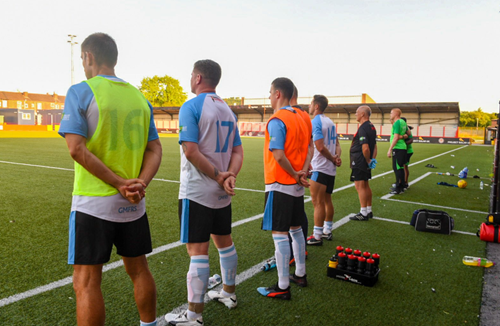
column 295, row 92
column 103, row 47
column 285, row 86
column 322, row 102
column 209, row 70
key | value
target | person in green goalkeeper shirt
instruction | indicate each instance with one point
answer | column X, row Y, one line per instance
column 397, row 150
column 408, row 138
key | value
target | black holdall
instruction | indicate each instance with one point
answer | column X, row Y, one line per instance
column 427, row 220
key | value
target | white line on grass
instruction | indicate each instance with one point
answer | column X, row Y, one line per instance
column 436, row 206
column 411, row 183
column 68, row 280
column 110, row 266
column 388, row 197
column 243, row 276
column 37, row 166
column 175, row 181
column 71, row 170
column 408, row 223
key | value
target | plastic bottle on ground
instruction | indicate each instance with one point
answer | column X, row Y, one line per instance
column 477, row 261
column 213, row 281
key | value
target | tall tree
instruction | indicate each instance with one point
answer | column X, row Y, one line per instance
column 163, row 91
column 476, row 118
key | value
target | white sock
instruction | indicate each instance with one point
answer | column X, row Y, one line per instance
column 282, row 255
column 363, row 211
column 153, row 323
column 226, row 294
column 299, row 250
column 228, row 264
column 192, row 315
column 327, row 227
column 318, row 232
column 197, row 278
column 369, row 209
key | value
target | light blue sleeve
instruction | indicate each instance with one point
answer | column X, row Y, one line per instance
column 277, row 134
column 153, row 133
column 189, row 116
column 317, row 128
column 74, row 119
column 237, row 138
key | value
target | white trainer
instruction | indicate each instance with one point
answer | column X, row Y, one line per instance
column 182, row 319
column 230, row 302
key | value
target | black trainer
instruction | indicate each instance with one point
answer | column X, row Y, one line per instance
column 300, row 281
column 359, row 217
column 313, row 242
column 370, row 215
column 275, row 292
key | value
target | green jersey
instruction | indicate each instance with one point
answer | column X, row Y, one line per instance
column 399, row 127
column 409, row 147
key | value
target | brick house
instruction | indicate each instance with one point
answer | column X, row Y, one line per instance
column 25, row 100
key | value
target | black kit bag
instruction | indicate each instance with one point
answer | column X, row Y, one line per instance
column 427, row 220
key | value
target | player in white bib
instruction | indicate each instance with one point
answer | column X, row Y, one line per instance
column 324, row 163
column 211, row 157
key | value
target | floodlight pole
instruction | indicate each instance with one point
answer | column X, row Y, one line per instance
column 70, row 41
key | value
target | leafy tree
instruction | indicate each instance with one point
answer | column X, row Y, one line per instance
column 476, row 118
column 163, row 91
column 233, row 100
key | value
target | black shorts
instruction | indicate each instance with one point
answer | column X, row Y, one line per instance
column 324, row 179
column 398, row 159
column 361, row 175
column 282, row 211
column 198, row 222
column 408, row 156
column 91, row 239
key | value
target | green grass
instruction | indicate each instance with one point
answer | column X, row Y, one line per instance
column 33, row 245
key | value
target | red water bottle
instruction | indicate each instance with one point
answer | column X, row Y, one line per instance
column 370, row 267
column 357, row 252
column 376, row 258
column 361, row 265
column 342, row 260
column 338, row 250
column 351, row 263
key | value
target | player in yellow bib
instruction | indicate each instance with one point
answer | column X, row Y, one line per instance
column 109, row 129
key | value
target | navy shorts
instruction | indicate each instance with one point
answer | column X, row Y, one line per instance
column 282, row 211
column 91, row 239
column 324, row 179
column 198, row 222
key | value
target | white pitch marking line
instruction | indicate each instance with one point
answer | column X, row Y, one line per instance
column 243, row 276
column 437, row 206
column 407, row 223
column 110, row 266
column 37, row 166
column 68, row 280
column 411, row 183
column 175, row 181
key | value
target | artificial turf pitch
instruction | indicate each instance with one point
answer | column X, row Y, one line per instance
column 422, row 279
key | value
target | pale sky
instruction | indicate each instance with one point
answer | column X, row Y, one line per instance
column 393, row 50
